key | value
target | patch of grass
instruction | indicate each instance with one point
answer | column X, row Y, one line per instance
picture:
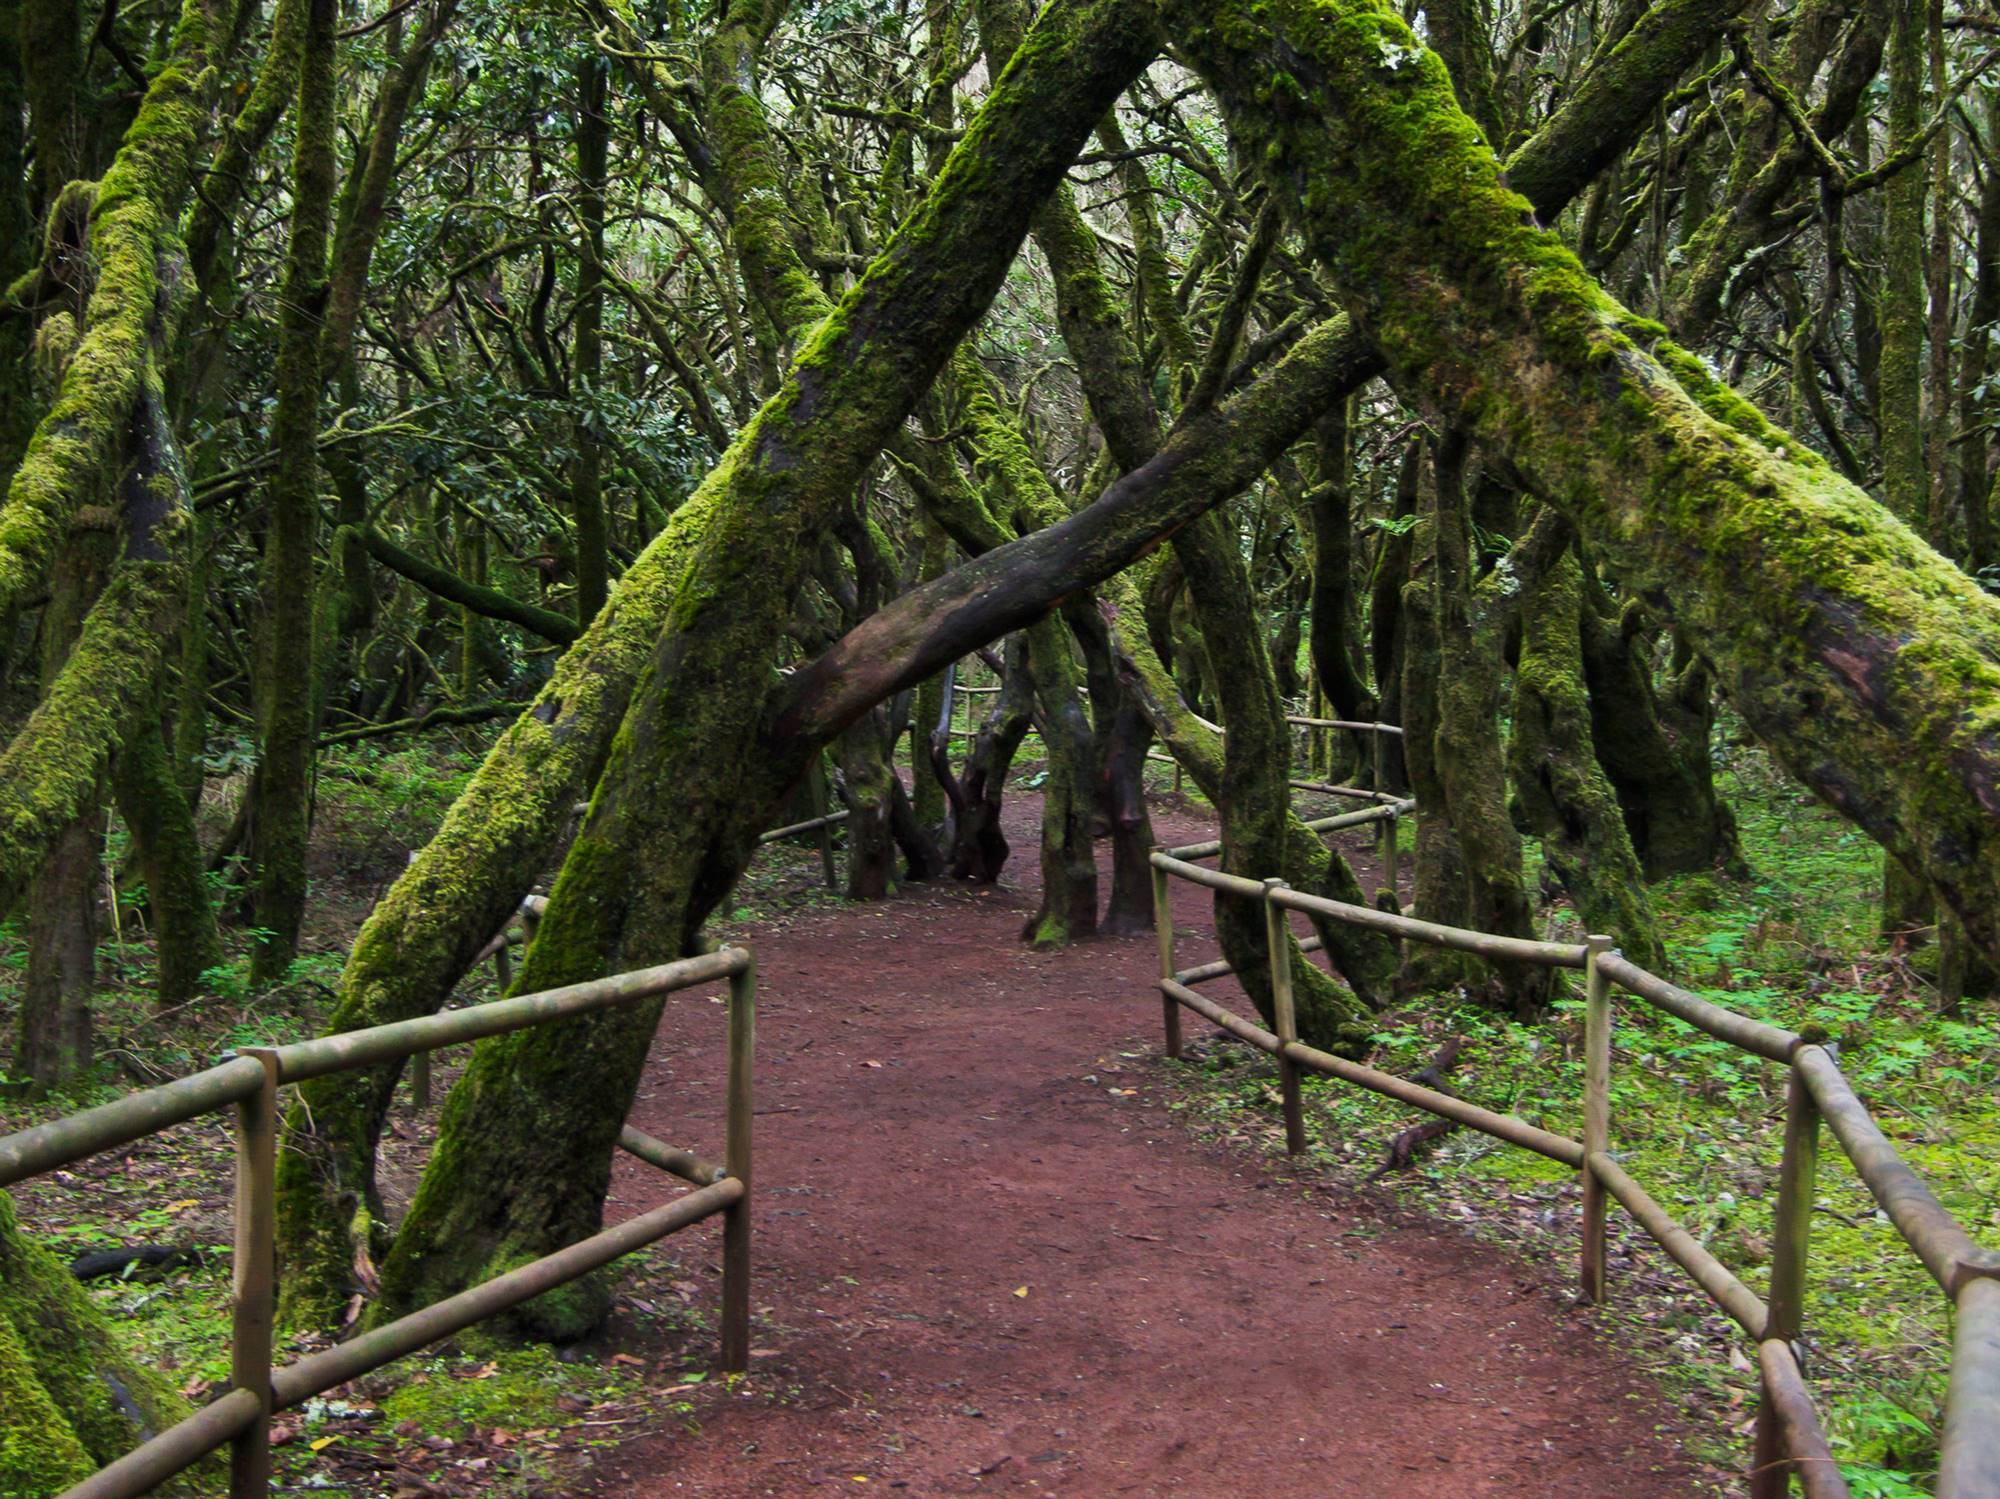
column 518, row 1389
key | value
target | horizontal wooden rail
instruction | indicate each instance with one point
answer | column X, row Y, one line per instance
column 1209, row 848
column 1946, row 1249
column 248, row 1083
column 1740, row 1031
column 1790, row 1441
column 346, row 1050
column 1708, row 1272
column 62, row 1142
column 1354, row 793
column 685, row 1164
column 811, row 824
column 1299, row 720
column 299, row 1382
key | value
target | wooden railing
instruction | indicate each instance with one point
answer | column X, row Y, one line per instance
column 1789, row 1440
column 248, row 1082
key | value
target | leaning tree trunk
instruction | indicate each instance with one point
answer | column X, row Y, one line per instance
column 667, row 832
column 1868, row 663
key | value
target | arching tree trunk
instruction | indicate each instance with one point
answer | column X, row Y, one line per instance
column 668, row 832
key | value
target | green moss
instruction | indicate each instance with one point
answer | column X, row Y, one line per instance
column 39, row 1450
column 515, row 1388
column 53, row 1338
column 1868, row 661
column 74, row 454
column 52, row 767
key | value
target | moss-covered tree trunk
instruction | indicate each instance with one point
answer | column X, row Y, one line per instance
column 667, row 832
column 59, row 103
column 865, row 777
column 17, row 253
column 52, row 770
column 1976, row 404
column 927, row 801
column 1467, row 750
column 1868, row 663
column 979, row 847
column 1562, row 791
column 1330, row 639
column 190, row 699
column 168, row 850
column 593, row 137
column 71, row 1399
column 64, row 914
column 285, row 635
column 1438, row 885
column 1665, row 786
column 1123, row 738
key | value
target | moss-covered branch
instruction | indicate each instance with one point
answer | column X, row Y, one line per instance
column 72, row 458
column 493, row 603
column 51, row 770
column 1867, row 662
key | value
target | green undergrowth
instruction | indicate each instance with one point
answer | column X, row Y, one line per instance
column 1699, row 1125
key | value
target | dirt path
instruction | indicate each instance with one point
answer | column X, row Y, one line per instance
column 984, row 1266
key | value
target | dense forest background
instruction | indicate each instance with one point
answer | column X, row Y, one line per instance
column 455, row 448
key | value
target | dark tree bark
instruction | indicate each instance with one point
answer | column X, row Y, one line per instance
column 286, row 627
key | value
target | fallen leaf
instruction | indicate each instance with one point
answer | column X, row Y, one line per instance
column 1020, row 1290
column 320, row 1444
column 868, row 1064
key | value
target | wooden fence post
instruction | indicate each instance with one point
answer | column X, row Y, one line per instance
column 1163, row 931
column 736, row 1159
column 254, row 1277
column 1278, row 937
column 1791, row 1230
column 1596, row 1110
column 1385, row 840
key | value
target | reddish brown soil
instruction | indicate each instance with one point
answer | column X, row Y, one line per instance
column 983, row 1267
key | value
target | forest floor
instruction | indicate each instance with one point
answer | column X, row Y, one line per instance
column 1021, row 1133
column 990, row 1259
